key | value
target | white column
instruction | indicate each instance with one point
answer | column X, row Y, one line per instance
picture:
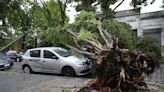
column 139, row 30
column 162, row 42
column 162, row 37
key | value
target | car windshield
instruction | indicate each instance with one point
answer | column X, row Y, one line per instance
column 62, row 52
column 3, row 56
column 12, row 54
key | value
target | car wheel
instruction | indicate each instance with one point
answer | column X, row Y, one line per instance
column 68, row 71
column 27, row 69
column 11, row 64
column 15, row 59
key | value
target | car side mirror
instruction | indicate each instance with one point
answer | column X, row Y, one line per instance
column 54, row 57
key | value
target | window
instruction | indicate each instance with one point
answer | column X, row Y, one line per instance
column 35, row 53
column 135, row 32
column 48, row 54
column 62, row 52
column 3, row 56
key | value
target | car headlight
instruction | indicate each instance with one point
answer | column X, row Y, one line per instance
column 80, row 63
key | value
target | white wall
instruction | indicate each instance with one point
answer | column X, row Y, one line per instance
column 162, row 37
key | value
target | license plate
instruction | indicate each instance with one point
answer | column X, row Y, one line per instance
column 7, row 65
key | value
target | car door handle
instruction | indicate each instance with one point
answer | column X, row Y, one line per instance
column 44, row 61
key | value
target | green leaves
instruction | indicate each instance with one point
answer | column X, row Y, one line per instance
column 86, row 25
column 48, row 20
column 85, row 35
column 86, row 20
column 149, row 45
column 122, row 31
column 53, row 36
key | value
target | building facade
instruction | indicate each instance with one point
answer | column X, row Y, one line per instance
column 145, row 24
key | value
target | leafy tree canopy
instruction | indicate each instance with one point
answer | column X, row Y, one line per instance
column 87, row 23
column 48, row 23
column 47, row 19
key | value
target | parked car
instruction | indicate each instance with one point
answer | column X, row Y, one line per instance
column 20, row 55
column 55, row 60
column 14, row 55
column 5, row 61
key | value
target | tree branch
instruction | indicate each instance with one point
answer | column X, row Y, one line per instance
column 118, row 5
column 80, row 51
column 49, row 14
column 109, row 37
column 96, row 45
column 103, row 36
column 92, row 42
column 62, row 10
column 71, row 33
column 76, row 42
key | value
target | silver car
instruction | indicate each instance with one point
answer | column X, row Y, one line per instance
column 55, row 60
column 5, row 61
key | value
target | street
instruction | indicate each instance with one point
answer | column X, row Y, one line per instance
column 14, row 80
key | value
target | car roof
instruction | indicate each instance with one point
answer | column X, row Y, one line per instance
column 12, row 51
column 46, row 48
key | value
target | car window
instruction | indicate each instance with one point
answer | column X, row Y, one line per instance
column 12, row 54
column 48, row 54
column 35, row 53
column 2, row 56
column 62, row 52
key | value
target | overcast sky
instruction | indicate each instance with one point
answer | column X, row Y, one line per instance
column 156, row 6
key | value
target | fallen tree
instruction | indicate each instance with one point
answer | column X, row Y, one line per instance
column 118, row 70
column 123, row 71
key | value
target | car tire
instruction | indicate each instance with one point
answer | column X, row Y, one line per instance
column 27, row 69
column 11, row 64
column 68, row 71
column 15, row 59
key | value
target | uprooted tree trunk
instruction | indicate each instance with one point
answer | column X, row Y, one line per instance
column 118, row 70
column 122, row 70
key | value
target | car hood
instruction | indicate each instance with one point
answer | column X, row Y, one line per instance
column 74, row 58
column 3, row 62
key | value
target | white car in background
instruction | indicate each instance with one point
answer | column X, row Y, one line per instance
column 55, row 60
column 14, row 55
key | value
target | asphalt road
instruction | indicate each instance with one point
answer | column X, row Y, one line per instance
column 14, row 80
